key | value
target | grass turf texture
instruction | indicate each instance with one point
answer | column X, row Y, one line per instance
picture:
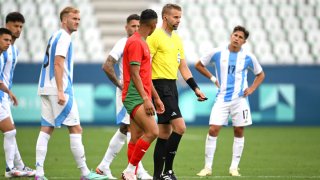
column 269, row 153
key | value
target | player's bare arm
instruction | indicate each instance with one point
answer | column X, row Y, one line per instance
column 157, row 101
column 58, row 71
column 135, row 76
column 186, row 74
column 204, row 71
column 256, row 83
column 11, row 95
column 108, row 68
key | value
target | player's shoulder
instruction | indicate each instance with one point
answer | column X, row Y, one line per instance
column 63, row 35
column 248, row 54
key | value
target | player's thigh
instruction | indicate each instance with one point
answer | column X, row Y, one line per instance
column 5, row 112
column 47, row 116
column 66, row 114
column 240, row 112
column 220, row 113
column 146, row 122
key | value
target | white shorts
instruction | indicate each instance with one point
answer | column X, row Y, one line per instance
column 5, row 110
column 121, row 113
column 238, row 109
column 53, row 114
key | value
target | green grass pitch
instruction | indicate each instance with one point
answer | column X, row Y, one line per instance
column 270, row 153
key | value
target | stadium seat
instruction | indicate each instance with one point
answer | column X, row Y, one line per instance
column 258, row 35
column 304, row 11
column 313, row 36
column 253, row 23
column 190, row 53
column 290, row 23
column 296, row 36
column 272, row 23
column 276, row 35
column 234, row 22
column 267, row 11
column 201, row 35
column 51, row 24
column 316, row 50
column 286, row 11
column 220, row 37
column 28, row 9
column 310, row 23
column 261, row 2
column 212, row 11
column 205, row 47
column 184, row 33
column 46, row 9
column 283, row 53
column 249, row 11
column 216, row 22
column 7, row 7
column 230, row 11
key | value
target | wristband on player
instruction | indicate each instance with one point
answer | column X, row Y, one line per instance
column 213, row 79
column 193, row 85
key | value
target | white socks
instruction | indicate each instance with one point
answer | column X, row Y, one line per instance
column 238, row 145
column 9, row 146
column 77, row 150
column 41, row 152
column 17, row 159
column 211, row 144
column 115, row 145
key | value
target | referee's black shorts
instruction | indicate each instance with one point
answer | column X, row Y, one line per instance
column 167, row 90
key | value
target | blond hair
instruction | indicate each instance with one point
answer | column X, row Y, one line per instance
column 68, row 10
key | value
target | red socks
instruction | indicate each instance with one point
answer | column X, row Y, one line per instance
column 140, row 149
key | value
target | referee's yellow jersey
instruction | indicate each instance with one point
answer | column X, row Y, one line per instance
column 166, row 52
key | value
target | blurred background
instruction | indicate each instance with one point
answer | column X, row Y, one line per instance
column 284, row 36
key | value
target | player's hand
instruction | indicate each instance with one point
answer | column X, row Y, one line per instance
column 200, row 95
column 13, row 98
column 148, row 107
column 248, row 91
column 159, row 106
column 61, row 98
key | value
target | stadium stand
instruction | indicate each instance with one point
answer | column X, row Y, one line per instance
column 282, row 32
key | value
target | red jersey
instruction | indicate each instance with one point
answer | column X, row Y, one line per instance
column 136, row 52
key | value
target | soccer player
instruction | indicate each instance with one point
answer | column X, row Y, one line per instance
column 5, row 42
column 232, row 64
column 167, row 59
column 118, row 139
column 58, row 105
column 15, row 167
column 138, row 91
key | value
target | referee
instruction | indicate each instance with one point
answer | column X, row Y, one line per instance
column 167, row 58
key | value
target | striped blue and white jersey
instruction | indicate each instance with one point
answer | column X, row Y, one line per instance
column 8, row 62
column 231, row 70
column 117, row 54
column 59, row 45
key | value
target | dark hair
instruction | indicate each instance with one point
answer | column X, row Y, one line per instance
column 15, row 17
column 133, row 17
column 243, row 29
column 147, row 15
column 5, row 31
column 166, row 8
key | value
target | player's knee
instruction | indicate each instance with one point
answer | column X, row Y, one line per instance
column 180, row 129
column 153, row 134
column 213, row 131
column 123, row 129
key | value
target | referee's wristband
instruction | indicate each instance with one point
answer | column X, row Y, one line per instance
column 213, row 79
column 193, row 85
